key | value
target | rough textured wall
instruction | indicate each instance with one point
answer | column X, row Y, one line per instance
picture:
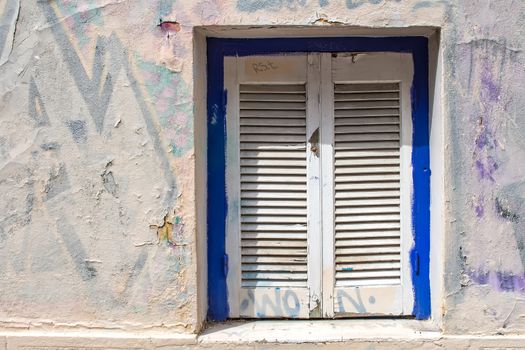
column 97, row 218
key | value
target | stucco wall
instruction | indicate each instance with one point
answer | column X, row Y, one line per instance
column 98, row 224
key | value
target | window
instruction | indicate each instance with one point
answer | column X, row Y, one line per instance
column 324, row 168
column 315, row 165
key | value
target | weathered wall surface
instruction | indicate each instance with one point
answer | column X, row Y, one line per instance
column 97, row 208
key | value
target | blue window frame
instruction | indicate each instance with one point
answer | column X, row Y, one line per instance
column 217, row 49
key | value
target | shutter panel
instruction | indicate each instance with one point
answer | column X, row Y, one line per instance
column 268, row 197
column 370, row 231
column 318, row 220
column 273, row 185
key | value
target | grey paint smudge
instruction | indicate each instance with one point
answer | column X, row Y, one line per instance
column 57, row 183
column 76, row 250
column 351, row 4
column 8, row 21
column 50, row 146
column 78, row 130
column 269, row 5
column 36, row 108
column 109, row 183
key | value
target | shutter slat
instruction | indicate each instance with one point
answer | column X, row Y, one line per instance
column 366, row 121
column 269, row 219
column 351, row 259
column 273, row 185
column 275, row 97
column 364, row 137
column 362, row 129
column 366, row 202
column 271, row 114
column 367, row 170
column 268, row 146
column 272, row 171
column 265, row 186
column 371, row 217
column 368, row 153
column 366, row 161
column 274, row 121
column 272, row 130
column 286, row 139
column 273, row 235
column 389, row 265
column 284, row 260
column 273, row 195
column 281, row 205
column 367, row 242
column 367, row 250
column 366, row 234
column 273, row 251
column 378, row 104
column 273, row 178
column 272, row 162
column 367, row 226
column 367, row 184
column 274, row 268
column 380, row 112
column 367, row 210
column 260, row 243
column 342, row 178
column 356, row 96
column 366, row 194
column 366, row 87
column 365, row 145
column 275, row 228
column 281, row 106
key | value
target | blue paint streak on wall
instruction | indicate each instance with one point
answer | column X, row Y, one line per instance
column 217, row 50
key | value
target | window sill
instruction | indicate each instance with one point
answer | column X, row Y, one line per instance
column 316, row 331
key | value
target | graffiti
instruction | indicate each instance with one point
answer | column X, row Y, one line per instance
column 500, row 281
column 8, row 18
column 97, row 90
column 357, row 302
column 37, row 110
column 269, row 5
column 351, row 4
column 108, row 180
column 264, row 66
column 58, row 179
column 78, row 130
column 57, row 183
column 277, row 305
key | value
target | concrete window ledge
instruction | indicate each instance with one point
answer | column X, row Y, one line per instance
column 266, row 335
column 319, row 331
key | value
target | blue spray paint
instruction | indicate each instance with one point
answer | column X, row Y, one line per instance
column 217, row 203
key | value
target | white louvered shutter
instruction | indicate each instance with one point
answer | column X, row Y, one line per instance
column 267, row 194
column 371, row 184
column 318, row 185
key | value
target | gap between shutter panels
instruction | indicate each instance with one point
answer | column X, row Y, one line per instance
column 367, row 184
column 273, row 185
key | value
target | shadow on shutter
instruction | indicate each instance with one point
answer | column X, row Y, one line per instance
column 273, row 199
